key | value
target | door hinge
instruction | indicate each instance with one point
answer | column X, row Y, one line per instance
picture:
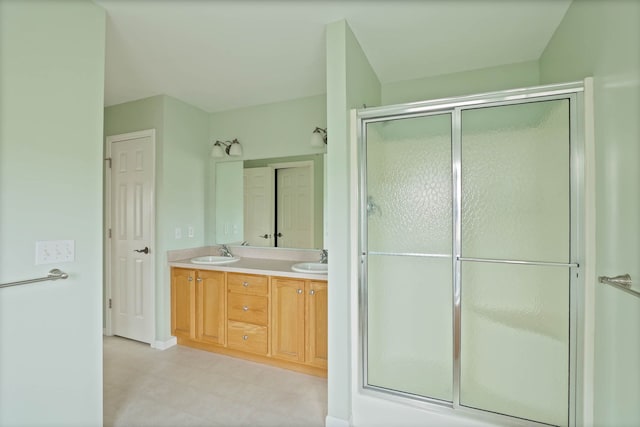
column 109, row 233
column 109, row 302
column 108, row 159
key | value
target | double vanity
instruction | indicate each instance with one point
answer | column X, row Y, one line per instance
column 264, row 305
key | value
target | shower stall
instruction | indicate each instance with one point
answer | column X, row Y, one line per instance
column 471, row 213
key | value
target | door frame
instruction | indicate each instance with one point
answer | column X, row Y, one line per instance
column 583, row 304
column 108, row 202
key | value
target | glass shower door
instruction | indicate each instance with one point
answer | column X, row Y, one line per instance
column 408, row 229
column 515, row 260
column 471, row 216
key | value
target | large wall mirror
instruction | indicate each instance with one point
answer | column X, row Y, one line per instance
column 275, row 202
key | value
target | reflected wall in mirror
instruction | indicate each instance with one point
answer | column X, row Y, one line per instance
column 282, row 202
column 229, row 205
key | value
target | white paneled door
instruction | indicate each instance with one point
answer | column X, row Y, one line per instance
column 132, row 251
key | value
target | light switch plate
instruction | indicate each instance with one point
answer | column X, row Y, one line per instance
column 55, row 251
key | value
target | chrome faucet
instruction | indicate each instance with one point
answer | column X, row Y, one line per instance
column 224, row 251
column 324, row 256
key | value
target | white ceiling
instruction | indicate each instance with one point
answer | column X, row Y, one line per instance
column 220, row 55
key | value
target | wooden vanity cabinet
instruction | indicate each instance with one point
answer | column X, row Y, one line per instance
column 299, row 324
column 276, row 320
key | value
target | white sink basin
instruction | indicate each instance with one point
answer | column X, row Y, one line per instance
column 311, row 267
column 213, row 259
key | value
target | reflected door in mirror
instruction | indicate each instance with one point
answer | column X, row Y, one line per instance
column 294, row 209
column 258, row 207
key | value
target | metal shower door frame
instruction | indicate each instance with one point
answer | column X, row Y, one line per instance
column 455, row 106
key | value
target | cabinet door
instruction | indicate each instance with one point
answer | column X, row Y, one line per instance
column 183, row 303
column 287, row 302
column 210, row 299
column 316, row 324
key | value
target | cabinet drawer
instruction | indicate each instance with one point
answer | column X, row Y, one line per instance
column 248, row 308
column 247, row 284
column 247, row 337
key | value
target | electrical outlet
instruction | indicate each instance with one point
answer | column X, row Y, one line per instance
column 190, row 231
column 55, row 251
column 178, row 233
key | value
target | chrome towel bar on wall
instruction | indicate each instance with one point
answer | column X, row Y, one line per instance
column 54, row 274
column 622, row 282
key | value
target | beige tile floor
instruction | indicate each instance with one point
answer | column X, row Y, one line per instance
column 181, row 386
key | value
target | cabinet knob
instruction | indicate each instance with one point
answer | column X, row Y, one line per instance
column 199, row 279
column 190, row 279
column 299, row 291
column 245, row 337
column 245, row 284
column 245, row 308
column 312, row 292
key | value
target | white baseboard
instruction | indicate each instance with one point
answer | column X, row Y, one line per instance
column 163, row 345
column 335, row 422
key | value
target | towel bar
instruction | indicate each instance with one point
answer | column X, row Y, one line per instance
column 54, row 274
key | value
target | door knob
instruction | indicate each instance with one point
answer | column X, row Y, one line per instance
column 264, row 236
column 142, row 251
column 279, row 235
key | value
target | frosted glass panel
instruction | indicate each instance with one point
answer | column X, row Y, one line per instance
column 409, row 324
column 515, row 182
column 409, row 185
column 515, row 340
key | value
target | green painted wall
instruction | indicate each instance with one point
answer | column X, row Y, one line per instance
column 182, row 132
column 181, row 194
column 600, row 39
column 272, row 130
column 464, row 83
column 51, row 86
column 351, row 82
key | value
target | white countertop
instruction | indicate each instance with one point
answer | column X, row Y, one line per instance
column 269, row 267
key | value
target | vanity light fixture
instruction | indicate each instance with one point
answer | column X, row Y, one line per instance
column 319, row 137
column 232, row 148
